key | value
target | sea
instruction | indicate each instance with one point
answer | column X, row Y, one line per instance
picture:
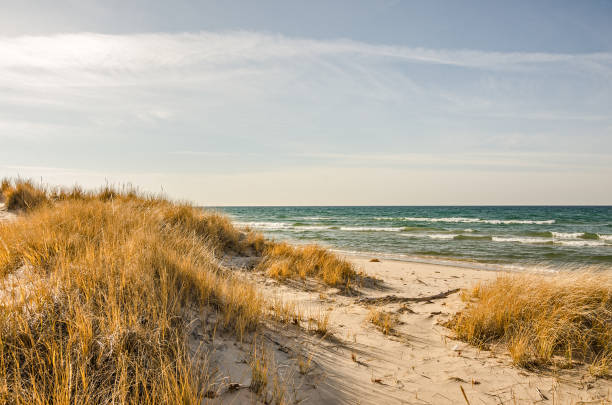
column 488, row 237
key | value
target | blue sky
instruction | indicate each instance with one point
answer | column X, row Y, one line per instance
column 308, row 103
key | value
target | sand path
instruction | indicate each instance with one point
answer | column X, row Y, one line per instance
column 5, row 215
column 419, row 363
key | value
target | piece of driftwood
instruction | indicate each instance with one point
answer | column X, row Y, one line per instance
column 389, row 299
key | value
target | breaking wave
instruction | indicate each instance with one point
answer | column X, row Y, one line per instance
column 470, row 220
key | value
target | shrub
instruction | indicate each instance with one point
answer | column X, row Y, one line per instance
column 540, row 317
column 282, row 260
column 384, row 321
column 22, row 195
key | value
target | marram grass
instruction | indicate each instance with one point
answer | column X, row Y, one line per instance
column 282, row 260
column 108, row 282
column 98, row 289
column 543, row 320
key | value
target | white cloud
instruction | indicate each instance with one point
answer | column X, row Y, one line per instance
column 249, row 102
column 139, row 52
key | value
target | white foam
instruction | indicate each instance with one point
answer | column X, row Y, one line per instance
column 264, row 225
column 285, row 225
column 440, row 236
column 518, row 221
column 580, row 242
column 520, row 239
column 472, row 220
column 430, row 235
column 366, row 228
column 567, row 235
column 562, row 242
column 605, row 237
column 310, row 228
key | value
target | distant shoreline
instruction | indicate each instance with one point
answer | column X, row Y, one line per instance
column 511, row 238
column 212, row 207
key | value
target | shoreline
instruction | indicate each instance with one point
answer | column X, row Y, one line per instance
column 492, row 238
column 442, row 264
column 446, row 262
column 419, row 360
column 546, row 268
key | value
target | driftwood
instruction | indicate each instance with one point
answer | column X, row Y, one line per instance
column 390, row 299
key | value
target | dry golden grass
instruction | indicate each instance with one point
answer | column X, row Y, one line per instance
column 284, row 312
column 543, row 318
column 318, row 322
column 267, row 382
column 384, row 321
column 118, row 275
column 259, row 363
column 304, row 363
column 5, row 184
column 22, row 195
column 282, row 260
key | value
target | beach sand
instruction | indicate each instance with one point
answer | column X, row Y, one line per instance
column 418, row 362
column 5, row 215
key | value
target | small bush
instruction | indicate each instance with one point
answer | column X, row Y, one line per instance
column 254, row 241
column 384, row 321
column 22, row 195
column 5, row 184
column 542, row 317
column 259, row 369
column 282, row 260
column 318, row 323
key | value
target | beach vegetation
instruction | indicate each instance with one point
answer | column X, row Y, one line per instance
column 104, row 287
column 318, row 322
column 543, row 320
column 22, row 195
column 304, row 363
column 282, row 260
column 384, row 321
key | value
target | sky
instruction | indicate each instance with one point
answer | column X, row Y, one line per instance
column 312, row 102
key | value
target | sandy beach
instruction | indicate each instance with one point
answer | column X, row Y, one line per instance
column 419, row 362
column 4, row 214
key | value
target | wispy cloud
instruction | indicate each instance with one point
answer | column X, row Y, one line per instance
column 247, row 101
column 141, row 52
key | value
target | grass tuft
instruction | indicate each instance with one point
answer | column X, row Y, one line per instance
column 542, row 319
column 282, row 261
column 384, row 321
column 22, row 195
column 304, row 363
column 318, row 322
column 259, row 369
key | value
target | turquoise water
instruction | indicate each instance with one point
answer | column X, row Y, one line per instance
column 480, row 236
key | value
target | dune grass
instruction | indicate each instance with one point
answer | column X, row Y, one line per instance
column 384, row 321
column 21, row 195
column 543, row 320
column 282, row 261
column 110, row 279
